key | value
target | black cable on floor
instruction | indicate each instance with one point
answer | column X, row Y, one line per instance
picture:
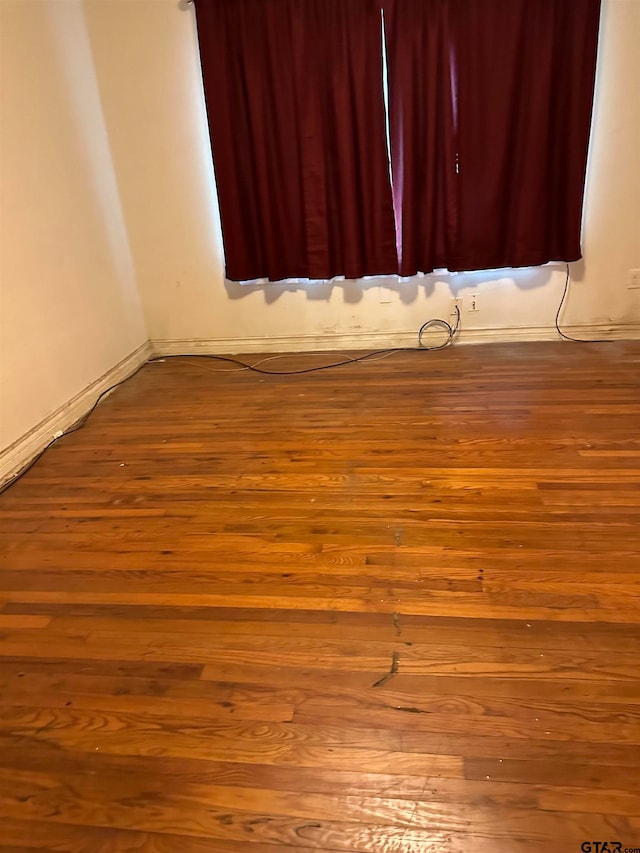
column 435, row 323
column 73, row 428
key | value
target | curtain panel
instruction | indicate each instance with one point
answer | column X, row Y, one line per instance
column 297, row 122
column 524, row 84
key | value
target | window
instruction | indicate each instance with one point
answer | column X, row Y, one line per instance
column 461, row 144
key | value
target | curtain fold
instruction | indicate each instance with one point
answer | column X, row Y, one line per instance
column 297, row 124
column 422, row 123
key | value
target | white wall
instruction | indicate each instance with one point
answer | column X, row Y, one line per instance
column 69, row 306
column 149, row 78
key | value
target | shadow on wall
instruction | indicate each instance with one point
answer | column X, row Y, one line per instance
column 407, row 289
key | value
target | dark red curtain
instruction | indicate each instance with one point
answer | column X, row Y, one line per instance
column 490, row 107
column 297, row 123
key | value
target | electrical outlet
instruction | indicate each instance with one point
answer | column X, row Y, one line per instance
column 474, row 302
column 634, row 280
column 456, row 302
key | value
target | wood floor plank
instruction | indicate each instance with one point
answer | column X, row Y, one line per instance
column 390, row 608
column 196, row 811
column 73, row 838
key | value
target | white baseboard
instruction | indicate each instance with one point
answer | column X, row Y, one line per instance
column 610, row 331
column 382, row 340
column 14, row 457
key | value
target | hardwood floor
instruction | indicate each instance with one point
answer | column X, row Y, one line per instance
column 388, row 607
